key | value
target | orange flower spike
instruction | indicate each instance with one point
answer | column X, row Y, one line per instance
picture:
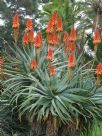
column 50, row 38
column 73, row 35
column 15, row 24
column 71, row 61
column 97, row 37
column 25, row 39
column 50, row 54
column 67, row 48
column 49, row 27
column 38, row 40
column 66, row 37
column 33, row 64
column 29, row 24
column 72, row 47
column 31, row 36
column 99, row 69
column 55, row 39
column 54, row 17
column 52, row 70
column 59, row 25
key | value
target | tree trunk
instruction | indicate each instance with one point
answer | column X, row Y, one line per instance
column 68, row 130
column 52, row 128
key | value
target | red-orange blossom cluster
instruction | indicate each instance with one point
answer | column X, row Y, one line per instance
column 54, row 31
column 96, row 42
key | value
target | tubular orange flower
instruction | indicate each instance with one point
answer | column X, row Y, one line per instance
column 50, row 54
column 25, row 39
column 29, row 24
column 33, row 64
column 15, row 24
column 97, row 37
column 55, row 39
column 50, row 39
column 52, row 70
column 38, row 40
column 59, row 25
column 66, row 37
column 49, row 27
column 71, row 61
column 99, row 69
column 67, row 47
column 72, row 47
column 54, row 17
column 73, row 35
column 31, row 36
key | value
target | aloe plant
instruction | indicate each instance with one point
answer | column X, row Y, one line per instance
column 54, row 104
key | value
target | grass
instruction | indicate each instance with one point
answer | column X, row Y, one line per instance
column 97, row 131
